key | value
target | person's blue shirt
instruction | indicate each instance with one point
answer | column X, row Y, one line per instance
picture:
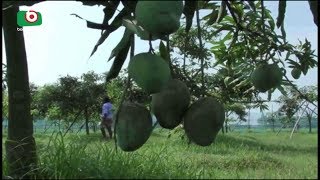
column 107, row 110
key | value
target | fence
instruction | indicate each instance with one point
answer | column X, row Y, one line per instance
column 43, row 126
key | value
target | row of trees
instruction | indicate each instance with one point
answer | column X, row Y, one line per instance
column 75, row 99
column 293, row 108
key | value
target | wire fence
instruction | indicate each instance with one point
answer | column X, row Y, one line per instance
column 48, row 126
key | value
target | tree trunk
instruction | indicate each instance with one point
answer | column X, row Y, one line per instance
column 222, row 129
column 249, row 119
column 226, row 127
column 273, row 126
column 20, row 144
column 87, row 120
column 94, row 127
column 309, row 120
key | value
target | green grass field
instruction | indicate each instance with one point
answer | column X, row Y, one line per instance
column 233, row 155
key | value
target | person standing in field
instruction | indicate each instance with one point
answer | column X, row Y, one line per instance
column 106, row 117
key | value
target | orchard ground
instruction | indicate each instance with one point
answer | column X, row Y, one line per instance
column 245, row 154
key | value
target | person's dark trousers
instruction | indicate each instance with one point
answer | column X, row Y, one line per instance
column 109, row 130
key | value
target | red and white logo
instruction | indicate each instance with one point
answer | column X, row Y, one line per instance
column 31, row 16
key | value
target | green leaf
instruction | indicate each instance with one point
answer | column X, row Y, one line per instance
column 295, row 64
column 206, row 5
column 229, row 19
column 122, row 44
column 238, row 10
column 163, row 52
column 314, row 9
column 118, row 62
column 227, row 37
column 131, row 25
column 7, row 4
column 234, row 40
column 109, row 10
column 103, row 37
column 188, row 11
column 93, row 3
column 213, row 17
column 282, row 90
column 116, row 23
column 269, row 95
column 130, row 5
column 219, row 46
column 226, row 27
column 222, row 11
column 281, row 12
column 135, row 28
column 272, row 25
column 252, row 5
column 242, row 83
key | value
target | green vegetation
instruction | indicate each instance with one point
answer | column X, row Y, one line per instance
column 235, row 155
column 233, row 40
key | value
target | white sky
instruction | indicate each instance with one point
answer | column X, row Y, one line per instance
column 62, row 44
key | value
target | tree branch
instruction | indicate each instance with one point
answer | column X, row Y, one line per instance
column 262, row 18
column 201, row 49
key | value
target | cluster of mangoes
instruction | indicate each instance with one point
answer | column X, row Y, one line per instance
column 170, row 97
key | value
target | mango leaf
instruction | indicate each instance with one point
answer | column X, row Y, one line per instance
column 135, row 28
column 269, row 95
column 122, row 44
column 293, row 63
column 234, row 40
column 251, row 4
column 314, row 9
column 8, row 4
column 242, row 83
column 226, row 27
column 93, row 25
column 263, row 107
column 227, row 37
column 206, row 5
column 188, row 11
column 213, row 17
column 222, row 11
column 116, row 23
column 118, row 62
column 281, row 89
column 270, row 19
column 130, row 5
column 103, row 37
column 130, row 25
column 219, row 46
column 163, row 52
column 109, row 10
column 238, row 10
column 281, row 12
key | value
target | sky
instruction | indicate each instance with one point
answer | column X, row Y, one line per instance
column 63, row 43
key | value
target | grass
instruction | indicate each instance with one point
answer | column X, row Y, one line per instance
column 233, row 155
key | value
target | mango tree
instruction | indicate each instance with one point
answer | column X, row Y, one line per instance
column 248, row 26
column 20, row 144
column 249, row 49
